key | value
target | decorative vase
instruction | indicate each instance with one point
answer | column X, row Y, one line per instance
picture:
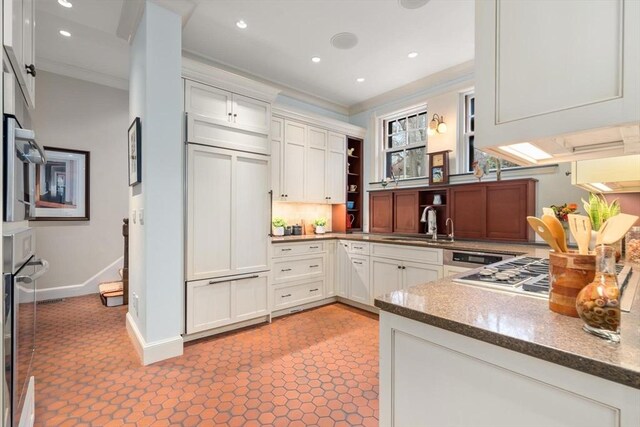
column 319, row 229
column 278, row 231
column 569, row 273
column 592, row 241
column 598, row 303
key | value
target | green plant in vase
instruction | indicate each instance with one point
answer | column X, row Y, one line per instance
column 278, row 225
column 319, row 224
column 599, row 211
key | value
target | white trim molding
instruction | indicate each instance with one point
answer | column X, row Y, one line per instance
column 53, row 66
column 318, row 120
column 89, row 286
column 151, row 352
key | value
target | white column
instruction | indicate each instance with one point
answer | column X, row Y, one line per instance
column 156, row 284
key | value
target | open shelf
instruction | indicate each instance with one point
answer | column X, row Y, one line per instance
column 354, row 177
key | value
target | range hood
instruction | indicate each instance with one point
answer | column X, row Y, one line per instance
column 608, row 175
column 615, row 141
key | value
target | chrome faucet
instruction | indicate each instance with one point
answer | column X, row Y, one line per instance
column 449, row 220
column 434, row 226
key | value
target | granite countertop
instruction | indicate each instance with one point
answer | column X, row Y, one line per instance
column 523, row 324
column 540, row 250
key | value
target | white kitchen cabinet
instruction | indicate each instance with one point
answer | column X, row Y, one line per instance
column 343, row 267
column 330, row 282
column 297, row 268
column 224, row 119
column 449, row 270
column 544, row 79
column 336, row 174
column 294, row 294
column 228, row 212
column 428, row 373
column 215, row 303
column 316, row 167
column 359, row 285
column 388, row 275
column 295, row 135
column 277, row 158
column 18, row 40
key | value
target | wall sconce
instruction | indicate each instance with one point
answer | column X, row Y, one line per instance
column 436, row 124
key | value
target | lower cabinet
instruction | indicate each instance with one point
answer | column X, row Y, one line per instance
column 330, row 283
column 343, row 268
column 388, row 275
column 359, row 285
column 449, row 270
column 290, row 295
column 215, row 303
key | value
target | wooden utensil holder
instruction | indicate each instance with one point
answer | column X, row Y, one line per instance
column 569, row 272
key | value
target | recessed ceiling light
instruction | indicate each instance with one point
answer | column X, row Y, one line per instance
column 344, row 40
column 315, row 59
column 360, row 79
column 65, row 3
column 412, row 54
column 65, row 33
column 241, row 24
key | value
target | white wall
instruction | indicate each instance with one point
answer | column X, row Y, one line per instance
column 86, row 116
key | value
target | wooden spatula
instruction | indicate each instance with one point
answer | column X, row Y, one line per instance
column 544, row 232
column 555, row 226
column 615, row 228
column 580, row 227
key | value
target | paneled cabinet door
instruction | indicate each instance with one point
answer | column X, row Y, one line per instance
column 359, row 285
column 211, row 103
column 417, row 274
column 295, row 135
column 18, row 40
column 315, row 170
column 331, row 270
column 227, row 212
column 208, row 305
column 381, row 212
column 386, row 276
column 405, row 212
column 508, row 204
column 336, row 169
column 468, row 207
column 277, row 158
column 343, row 276
column 251, row 114
column 251, row 297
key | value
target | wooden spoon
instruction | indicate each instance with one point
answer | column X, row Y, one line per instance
column 615, row 228
column 544, row 232
column 580, row 227
column 555, row 226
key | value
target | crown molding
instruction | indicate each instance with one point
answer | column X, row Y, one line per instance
column 284, row 89
column 130, row 16
column 80, row 73
column 318, row 120
column 432, row 83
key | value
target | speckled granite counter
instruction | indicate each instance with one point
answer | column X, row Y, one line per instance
column 523, row 324
column 539, row 250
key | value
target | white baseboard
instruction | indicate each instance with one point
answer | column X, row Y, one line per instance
column 155, row 351
column 90, row 286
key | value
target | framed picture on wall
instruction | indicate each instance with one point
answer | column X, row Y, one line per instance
column 439, row 167
column 135, row 152
column 62, row 186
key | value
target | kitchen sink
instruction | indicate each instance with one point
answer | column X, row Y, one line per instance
column 418, row 240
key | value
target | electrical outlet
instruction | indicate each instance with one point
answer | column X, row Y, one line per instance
column 141, row 217
column 136, row 304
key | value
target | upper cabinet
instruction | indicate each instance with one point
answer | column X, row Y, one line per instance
column 19, row 29
column 566, row 86
column 214, row 114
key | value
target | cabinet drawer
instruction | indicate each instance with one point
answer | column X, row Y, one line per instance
column 286, row 269
column 359, row 248
column 409, row 253
column 282, row 249
column 297, row 294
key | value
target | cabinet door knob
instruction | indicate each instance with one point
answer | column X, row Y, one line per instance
column 31, row 69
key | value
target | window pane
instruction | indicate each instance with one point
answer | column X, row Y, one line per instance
column 390, row 127
column 416, row 136
column 472, row 106
column 413, row 122
column 399, row 140
column 472, row 124
column 472, row 153
column 395, row 164
column 414, row 164
column 402, row 123
column 422, row 120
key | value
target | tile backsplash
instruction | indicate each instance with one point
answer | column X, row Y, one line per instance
column 295, row 213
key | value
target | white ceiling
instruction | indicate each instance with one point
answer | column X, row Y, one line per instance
column 281, row 38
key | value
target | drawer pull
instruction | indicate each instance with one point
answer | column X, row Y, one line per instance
column 314, row 266
column 313, row 290
column 357, row 262
column 285, row 269
column 213, row 282
column 357, row 247
column 399, row 267
column 313, row 247
column 285, row 296
column 286, row 249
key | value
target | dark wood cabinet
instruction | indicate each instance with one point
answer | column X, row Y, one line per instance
column 406, row 218
column 381, row 212
column 468, row 207
column 508, row 205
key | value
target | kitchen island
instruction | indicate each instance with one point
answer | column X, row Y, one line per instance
column 458, row 355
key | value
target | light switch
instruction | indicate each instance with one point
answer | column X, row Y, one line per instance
column 141, row 216
column 133, row 215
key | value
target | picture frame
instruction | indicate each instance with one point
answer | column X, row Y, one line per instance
column 134, row 152
column 439, row 168
column 63, row 186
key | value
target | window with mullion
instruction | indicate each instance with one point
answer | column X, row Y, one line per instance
column 405, row 145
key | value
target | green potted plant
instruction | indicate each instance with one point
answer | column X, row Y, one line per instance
column 320, row 223
column 599, row 210
column 278, row 225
